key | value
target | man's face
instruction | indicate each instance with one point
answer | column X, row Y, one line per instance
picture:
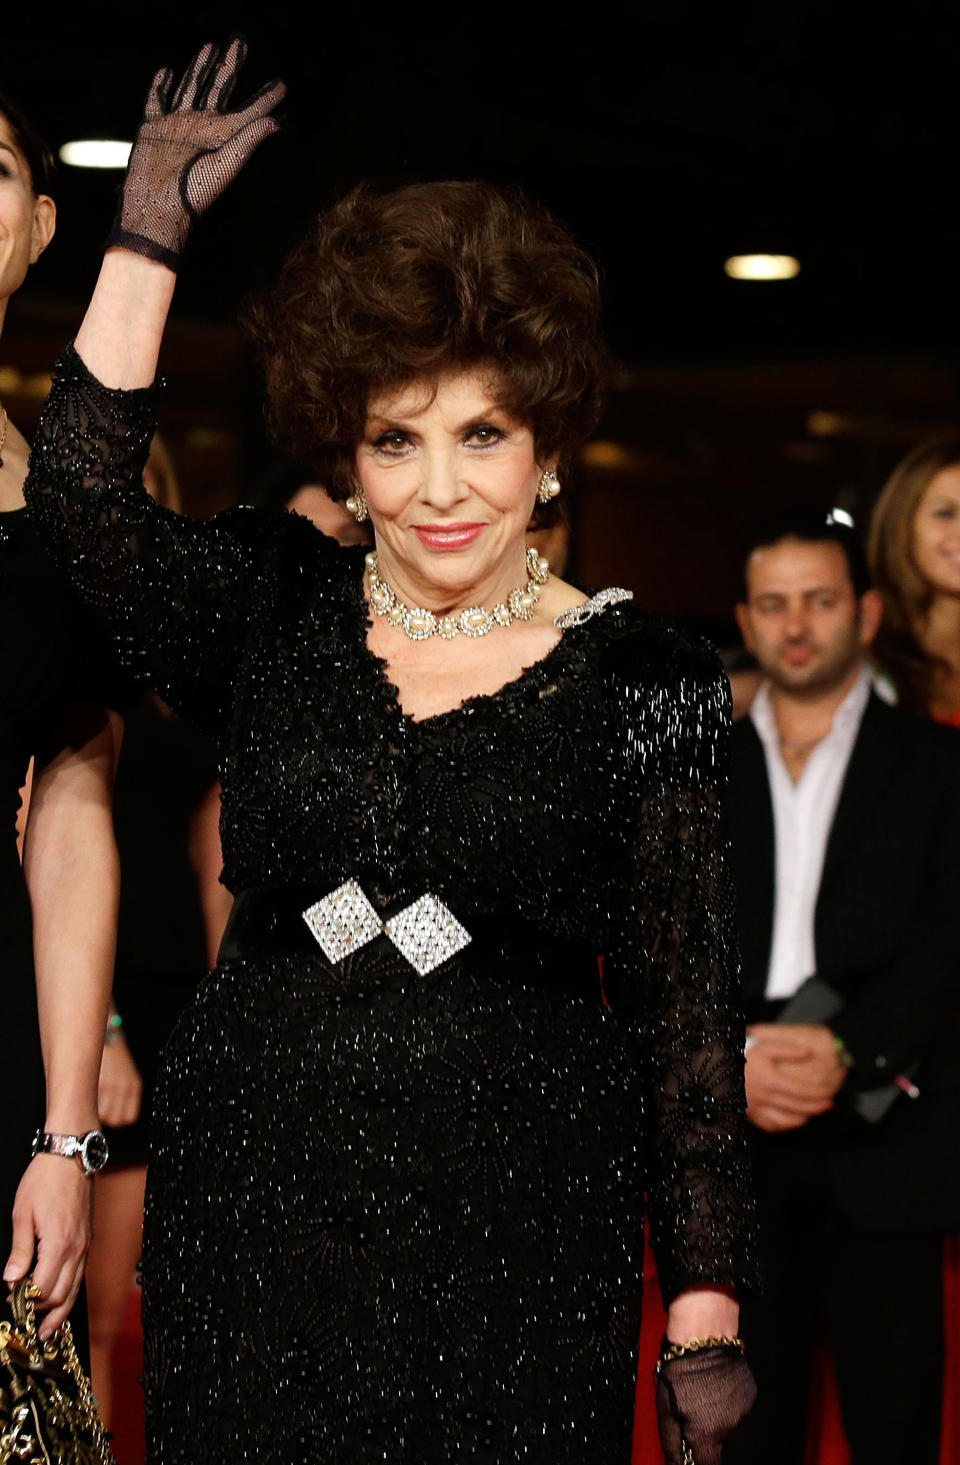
column 802, row 619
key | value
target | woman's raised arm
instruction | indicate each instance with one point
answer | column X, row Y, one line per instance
column 189, row 148
column 175, row 592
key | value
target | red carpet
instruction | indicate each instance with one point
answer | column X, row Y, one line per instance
column 128, row 1437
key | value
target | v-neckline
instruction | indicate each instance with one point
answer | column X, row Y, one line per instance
column 390, row 692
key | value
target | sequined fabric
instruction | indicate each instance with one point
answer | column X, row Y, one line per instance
column 396, row 1217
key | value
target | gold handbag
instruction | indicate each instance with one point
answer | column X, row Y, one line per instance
column 47, row 1413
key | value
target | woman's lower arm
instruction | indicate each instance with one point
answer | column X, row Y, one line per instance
column 72, row 872
column 703, row 1312
column 119, row 340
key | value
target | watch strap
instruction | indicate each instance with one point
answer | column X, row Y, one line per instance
column 73, row 1145
column 67, row 1145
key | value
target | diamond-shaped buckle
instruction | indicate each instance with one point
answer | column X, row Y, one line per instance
column 343, row 921
column 425, row 932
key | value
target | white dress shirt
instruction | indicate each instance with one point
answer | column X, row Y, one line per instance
column 803, row 814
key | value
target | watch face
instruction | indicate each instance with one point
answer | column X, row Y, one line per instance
column 94, row 1150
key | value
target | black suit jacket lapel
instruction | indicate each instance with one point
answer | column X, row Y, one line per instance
column 754, row 854
column 875, row 755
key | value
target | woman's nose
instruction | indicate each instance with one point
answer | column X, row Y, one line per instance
column 443, row 484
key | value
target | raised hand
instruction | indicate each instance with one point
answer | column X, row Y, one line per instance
column 188, row 149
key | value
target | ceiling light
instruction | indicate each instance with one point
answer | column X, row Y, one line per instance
column 95, row 153
column 840, row 516
column 761, row 266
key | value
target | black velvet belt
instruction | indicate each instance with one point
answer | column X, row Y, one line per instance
column 269, row 921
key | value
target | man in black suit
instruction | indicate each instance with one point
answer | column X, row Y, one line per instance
column 845, row 824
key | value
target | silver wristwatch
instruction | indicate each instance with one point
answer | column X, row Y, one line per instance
column 91, row 1148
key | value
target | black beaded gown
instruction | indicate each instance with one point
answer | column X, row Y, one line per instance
column 399, row 1217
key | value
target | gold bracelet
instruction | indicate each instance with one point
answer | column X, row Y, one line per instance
column 696, row 1345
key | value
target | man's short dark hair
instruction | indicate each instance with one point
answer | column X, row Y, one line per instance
column 812, row 527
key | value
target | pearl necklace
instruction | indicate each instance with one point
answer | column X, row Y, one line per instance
column 419, row 624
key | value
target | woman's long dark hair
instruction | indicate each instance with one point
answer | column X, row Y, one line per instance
column 38, row 156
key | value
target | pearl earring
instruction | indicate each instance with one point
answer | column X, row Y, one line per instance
column 549, row 486
column 356, row 505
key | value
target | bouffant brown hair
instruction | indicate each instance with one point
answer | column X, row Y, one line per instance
column 390, row 287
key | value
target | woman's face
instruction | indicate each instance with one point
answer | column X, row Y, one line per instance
column 936, row 532
column 27, row 220
column 450, row 481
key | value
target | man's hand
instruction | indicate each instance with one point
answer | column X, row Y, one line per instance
column 792, row 1074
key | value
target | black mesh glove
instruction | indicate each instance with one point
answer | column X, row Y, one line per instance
column 187, row 151
column 701, row 1398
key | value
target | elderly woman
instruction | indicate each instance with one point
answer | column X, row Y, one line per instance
column 406, row 1132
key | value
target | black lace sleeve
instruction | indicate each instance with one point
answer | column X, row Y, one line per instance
column 675, row 967
column 174, row 592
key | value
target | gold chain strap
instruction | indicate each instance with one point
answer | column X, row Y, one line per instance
column 62, row 1342
column 697, row 1345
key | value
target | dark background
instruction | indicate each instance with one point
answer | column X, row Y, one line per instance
column 668, row 137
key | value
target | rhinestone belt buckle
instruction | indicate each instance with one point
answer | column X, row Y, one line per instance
column 425, row 932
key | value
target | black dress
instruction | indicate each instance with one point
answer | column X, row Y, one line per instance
column 50, row 656
column 396, row 1216
column 166, row 768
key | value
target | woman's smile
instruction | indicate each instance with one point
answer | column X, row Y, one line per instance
column 449, row 479
column 442, row 538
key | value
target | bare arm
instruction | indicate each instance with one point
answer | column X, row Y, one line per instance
column 120, row 337
column 73, row 877
column 24, row 809
column 703, row 1312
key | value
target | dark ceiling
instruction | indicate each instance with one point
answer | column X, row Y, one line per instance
column 668, row 136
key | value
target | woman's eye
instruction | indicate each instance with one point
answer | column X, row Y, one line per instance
column 485, row 435
column 392, row 442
